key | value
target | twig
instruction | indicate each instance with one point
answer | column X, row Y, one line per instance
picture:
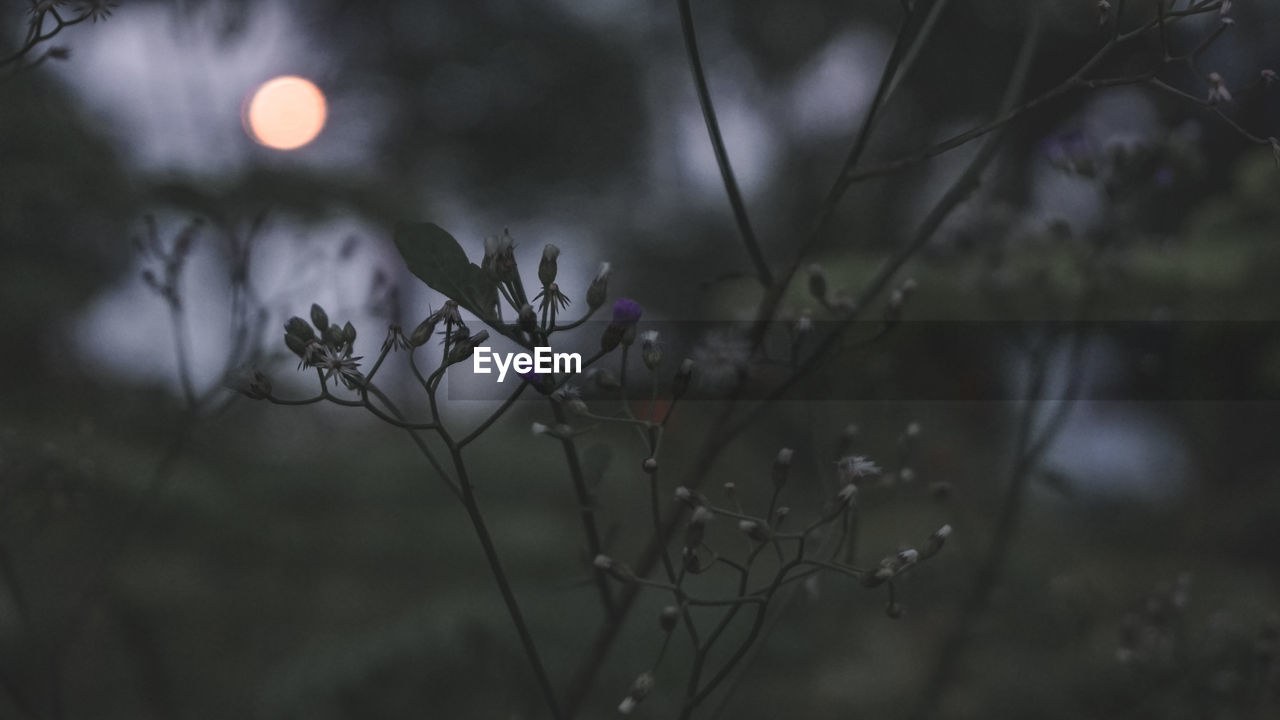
column 586, row 509
column 749, row 240
column 1030, row 446
column 500, row 576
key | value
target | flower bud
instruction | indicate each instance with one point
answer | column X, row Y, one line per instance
column 604, row 379
column 690, row 498
column 617, row 570
column 573, row 403
column 650, row 350
column 349, row 334
column 319, row 318
column 466, row 345
column 845, row 499
column 423, row 332
column 547, row 267
column 680, row 385
column 757, row 531
column 898, row 300
column 299, row 328
column 612, row 337
column 697, row 528
column 639, row 689
column 504, row 258
column 296, row 344
column 936, row 540
column 626, row 313
column 333, row 337
column 528, row 319
column 599, row 288
column 257, row 388
column 782, row 467
column 668, row 618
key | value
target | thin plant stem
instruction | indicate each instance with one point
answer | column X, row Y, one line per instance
column 736, row 202
column 586, row 511
column 500, row 577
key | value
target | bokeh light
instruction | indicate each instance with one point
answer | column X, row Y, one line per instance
column 285, row 113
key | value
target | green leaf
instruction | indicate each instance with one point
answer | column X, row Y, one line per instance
column 439, row 261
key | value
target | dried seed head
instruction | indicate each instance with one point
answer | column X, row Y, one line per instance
column 852, row 468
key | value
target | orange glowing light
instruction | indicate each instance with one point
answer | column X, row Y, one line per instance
column 285, row 113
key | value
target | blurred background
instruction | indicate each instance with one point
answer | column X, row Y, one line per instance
column 170, row 549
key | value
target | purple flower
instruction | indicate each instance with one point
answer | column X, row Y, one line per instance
column 626, row 313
